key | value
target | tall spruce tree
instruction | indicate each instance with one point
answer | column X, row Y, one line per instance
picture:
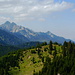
column 50, row 46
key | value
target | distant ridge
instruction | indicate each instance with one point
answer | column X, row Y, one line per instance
column 28, row 35
column 9, row 38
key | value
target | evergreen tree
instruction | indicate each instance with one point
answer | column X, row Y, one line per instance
column 55, row 52
column 43, row 59
column 64, row 51
column 50, row 46
column 33, row 60
column 65, row 44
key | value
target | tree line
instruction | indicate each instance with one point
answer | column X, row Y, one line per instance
column 64, row 64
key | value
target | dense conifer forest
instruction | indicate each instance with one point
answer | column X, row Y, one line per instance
column 64, row 64
column 53, row 59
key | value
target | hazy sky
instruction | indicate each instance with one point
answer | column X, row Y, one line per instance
column 57, row 16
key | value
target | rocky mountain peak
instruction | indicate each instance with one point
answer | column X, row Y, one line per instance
column 7, row 22
column 31, row 35
column 13, row 23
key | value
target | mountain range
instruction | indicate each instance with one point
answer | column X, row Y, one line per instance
column 11, row 33
column 9, row 38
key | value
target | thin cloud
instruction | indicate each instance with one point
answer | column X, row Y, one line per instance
column 73, row 10
column 41, row 19
column 30, row 9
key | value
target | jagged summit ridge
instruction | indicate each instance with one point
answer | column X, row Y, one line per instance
column 30, row 34
column 7, row 22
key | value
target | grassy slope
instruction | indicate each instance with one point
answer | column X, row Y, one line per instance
column 26, row 65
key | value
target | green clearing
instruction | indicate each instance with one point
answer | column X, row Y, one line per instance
column 27, row 67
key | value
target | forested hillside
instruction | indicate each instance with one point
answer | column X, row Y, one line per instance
column 6, row 49
column 52, row 59
column 63, row 63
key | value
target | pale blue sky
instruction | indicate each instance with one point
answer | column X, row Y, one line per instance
column 56, row 16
